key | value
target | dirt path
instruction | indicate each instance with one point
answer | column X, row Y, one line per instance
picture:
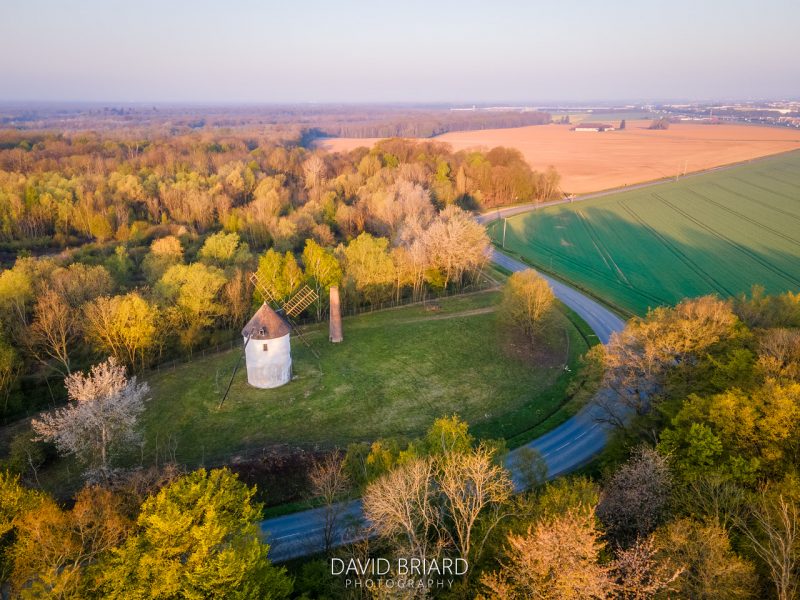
column 464, row 313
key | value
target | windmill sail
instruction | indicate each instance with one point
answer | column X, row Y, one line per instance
column 300, row 301
column 297, row 303
column 264, row 290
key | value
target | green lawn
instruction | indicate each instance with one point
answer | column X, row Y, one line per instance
column 395, row 373
column 720, row 232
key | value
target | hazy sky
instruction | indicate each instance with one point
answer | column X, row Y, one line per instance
column 400, row 50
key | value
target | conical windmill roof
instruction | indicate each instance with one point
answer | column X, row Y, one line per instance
column 266, row 324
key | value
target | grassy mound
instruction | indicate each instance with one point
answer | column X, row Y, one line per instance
column 393, row 375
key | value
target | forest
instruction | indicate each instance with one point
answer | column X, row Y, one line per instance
column 119, row 252
column 107, row 239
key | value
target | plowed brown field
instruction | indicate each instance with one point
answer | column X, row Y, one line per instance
column 590, row 161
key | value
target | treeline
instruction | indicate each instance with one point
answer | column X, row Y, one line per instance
column 145, row 231
column 421, row 124
column 275, row 120
column 58, row 316
column 66, row 191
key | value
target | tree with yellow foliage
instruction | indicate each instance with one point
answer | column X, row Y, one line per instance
column 527, row 301
column 197, row 538
column 124, row 327
column 558, row 558
column 54, row 548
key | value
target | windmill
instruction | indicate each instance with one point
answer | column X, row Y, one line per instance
column 298, row 301
column 269, row 361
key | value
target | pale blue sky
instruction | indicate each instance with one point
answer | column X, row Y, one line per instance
column 403, row 51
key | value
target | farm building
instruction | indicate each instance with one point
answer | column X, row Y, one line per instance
column 593, row 127
column 267, row 349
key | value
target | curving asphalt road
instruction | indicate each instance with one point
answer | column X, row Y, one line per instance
column 564, row 449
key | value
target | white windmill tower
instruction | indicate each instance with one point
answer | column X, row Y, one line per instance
column 267, row 349
column 267, row 338
column 268, row 357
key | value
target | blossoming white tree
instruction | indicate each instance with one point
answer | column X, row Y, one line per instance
column 101, row 416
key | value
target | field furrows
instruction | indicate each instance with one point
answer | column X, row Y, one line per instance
column 743, row 250
column 601, row 248
column 744, row 217
column 579, row 266
column 697, row 269
column 721, row 232
column 763, row 203
column 794, row 184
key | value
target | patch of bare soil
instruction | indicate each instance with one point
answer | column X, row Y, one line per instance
column 280, row 472
column 547, row 349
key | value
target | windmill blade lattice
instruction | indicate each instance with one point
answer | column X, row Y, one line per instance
column 300, row 301
column 265, row 292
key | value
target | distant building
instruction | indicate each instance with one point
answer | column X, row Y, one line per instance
column 267, row 349
column 593, row 127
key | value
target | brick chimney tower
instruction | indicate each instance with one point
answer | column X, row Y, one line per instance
column 336, row 317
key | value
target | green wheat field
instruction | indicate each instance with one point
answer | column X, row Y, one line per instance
column 720, row 232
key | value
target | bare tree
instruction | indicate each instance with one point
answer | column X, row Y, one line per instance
column 53, row 331
column 659, row 124
column 774, row 534
column 101, row 416
column 449, row 503
column 634, row 501
column 411, row 261
column 79, row 283
column 403, row 204
column 401, row 506
column 550, row 181
column 314, row 174
column 474, row 488
column 329, row 481
column 456, row 245
column 712, row 497
column 779, row 353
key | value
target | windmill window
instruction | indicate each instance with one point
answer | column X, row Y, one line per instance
column 266, row 347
